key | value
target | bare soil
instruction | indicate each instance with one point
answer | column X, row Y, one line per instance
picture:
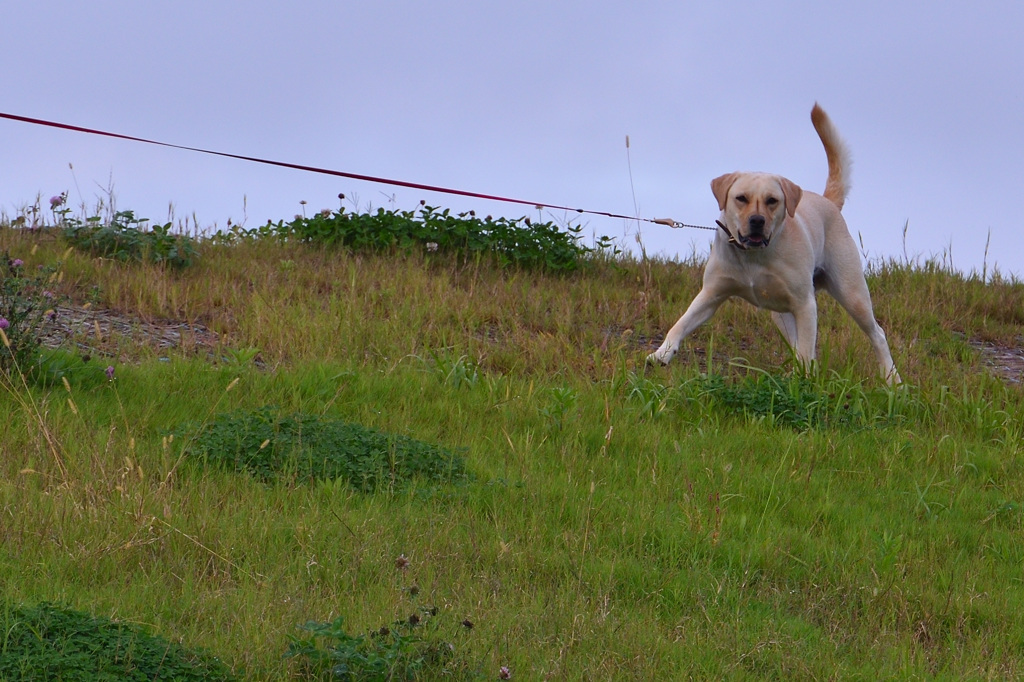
column 1006, row 362
column 97, row 330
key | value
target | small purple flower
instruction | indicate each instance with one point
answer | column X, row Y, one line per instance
column 57, row 201
column 17, row 263
column 504, row 673
column 47, row 294
column 110, row 372
column 4, row 323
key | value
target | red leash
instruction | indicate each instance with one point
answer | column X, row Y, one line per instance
column 342, row 174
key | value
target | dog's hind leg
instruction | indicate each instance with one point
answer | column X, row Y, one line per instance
column 852, row 294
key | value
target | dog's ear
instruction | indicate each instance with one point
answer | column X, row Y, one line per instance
column 792, row 192
column 720, row 187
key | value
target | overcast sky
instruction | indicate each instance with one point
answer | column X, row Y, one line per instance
column 531, row 100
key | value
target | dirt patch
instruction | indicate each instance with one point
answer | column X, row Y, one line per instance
column 105, row 331
column 1006, row 362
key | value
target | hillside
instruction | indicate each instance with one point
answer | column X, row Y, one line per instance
column 546, row 506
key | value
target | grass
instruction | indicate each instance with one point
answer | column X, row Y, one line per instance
column 719, row 518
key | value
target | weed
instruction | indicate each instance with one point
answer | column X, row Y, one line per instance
column 270, row 446
column 561, row 403
column 48, row 642
column 25, row 305
column 457, row 373
column 651, row 397
column 241, row 357
column 410, row 648
column 127, row 238
column 928, row 509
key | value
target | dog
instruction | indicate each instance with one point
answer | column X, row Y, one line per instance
column 780, row 244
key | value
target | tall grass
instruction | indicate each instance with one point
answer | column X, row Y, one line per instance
column 720, row 518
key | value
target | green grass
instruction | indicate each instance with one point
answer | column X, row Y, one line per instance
column 713, row 519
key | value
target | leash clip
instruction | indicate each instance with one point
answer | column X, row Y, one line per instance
column 675, row 224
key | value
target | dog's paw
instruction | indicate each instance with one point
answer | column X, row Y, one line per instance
column 662, row 356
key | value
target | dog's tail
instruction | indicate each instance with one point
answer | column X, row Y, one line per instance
column 838, row 184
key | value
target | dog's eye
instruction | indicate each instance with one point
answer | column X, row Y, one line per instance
column 771, row 201
column 742, row 199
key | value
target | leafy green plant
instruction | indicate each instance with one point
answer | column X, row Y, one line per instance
column 270, row 446
column 561, row 403
column 519, row 242
column 241, row 357
column 408, row 649
column 46, row 642
column 792, row 403
column 127, row 238
column 25, row 303
column 456, row 372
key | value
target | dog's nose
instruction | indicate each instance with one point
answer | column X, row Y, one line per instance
column 756, row 223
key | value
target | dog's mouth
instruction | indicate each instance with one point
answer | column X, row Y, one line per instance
column 754, row 241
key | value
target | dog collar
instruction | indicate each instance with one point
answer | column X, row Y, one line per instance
column 732, row 238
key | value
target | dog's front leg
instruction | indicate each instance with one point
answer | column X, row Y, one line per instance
column 787, row 325
column 806, row 318
column 699, row 312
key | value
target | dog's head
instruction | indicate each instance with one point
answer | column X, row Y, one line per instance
column 754, row 205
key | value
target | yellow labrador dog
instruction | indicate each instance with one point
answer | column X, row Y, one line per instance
column 778, row 245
